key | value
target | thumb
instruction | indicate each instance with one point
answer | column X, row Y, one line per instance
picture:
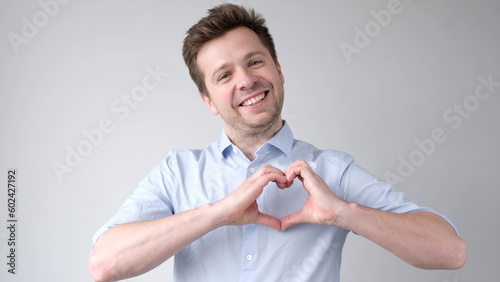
column 268, row 220
column 292, row 219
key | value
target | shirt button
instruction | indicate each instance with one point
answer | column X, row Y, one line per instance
column 235, row 150
column 252, row 170
column 249, row 257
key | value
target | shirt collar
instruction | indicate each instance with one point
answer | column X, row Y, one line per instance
column 283, row 140
column 224, row 143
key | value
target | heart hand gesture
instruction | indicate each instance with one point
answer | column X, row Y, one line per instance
column 322, row 206
column 240, row 206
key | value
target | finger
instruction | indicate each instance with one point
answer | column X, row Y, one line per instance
column 268, row 173
column 252, row 188
column 312, row 182
column 292, row 219
column 300, row 169
column 268, row 220
column 283, row 184
column 292, row 172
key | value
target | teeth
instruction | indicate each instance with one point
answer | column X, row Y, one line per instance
column 254, row 100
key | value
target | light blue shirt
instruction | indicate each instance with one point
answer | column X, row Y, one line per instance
column 187, row 179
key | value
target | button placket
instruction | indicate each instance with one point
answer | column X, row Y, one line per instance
column 249, row 252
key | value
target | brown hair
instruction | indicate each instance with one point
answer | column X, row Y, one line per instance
column 219, row 21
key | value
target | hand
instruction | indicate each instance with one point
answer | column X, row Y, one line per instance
column 240, row 206
column 322, row 206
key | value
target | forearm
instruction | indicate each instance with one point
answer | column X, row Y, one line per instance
column 131, row 249
column 422, row 239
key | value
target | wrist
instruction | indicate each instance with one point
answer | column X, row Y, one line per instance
column 217, row 213
column 211, row 214
column 347, row 215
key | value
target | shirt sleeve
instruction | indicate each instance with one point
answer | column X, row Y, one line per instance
column 149, row 201
column 361, row 187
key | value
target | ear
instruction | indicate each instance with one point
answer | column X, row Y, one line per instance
column 209, row 103
column 278, row 66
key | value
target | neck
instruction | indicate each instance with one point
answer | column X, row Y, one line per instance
column 250, row 141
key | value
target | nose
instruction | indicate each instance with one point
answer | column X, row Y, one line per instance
column 246, row 79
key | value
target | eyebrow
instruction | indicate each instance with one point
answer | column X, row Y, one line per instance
column 225, row 65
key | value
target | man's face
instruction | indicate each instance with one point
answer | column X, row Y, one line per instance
column 244, row 83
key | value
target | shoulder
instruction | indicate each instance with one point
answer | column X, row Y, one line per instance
column 311, row 153
column 188, row 157
column 177, row 164
column 330, row 164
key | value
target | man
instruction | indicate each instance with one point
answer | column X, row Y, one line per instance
column 258, row 205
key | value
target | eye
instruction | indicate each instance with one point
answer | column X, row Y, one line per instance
column 255, row 62
column 224, row 76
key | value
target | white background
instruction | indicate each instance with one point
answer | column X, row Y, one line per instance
column 84, row 55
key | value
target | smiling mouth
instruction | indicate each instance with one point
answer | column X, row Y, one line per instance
column 255, row 100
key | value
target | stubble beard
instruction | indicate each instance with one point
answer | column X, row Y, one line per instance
column 248, row 127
